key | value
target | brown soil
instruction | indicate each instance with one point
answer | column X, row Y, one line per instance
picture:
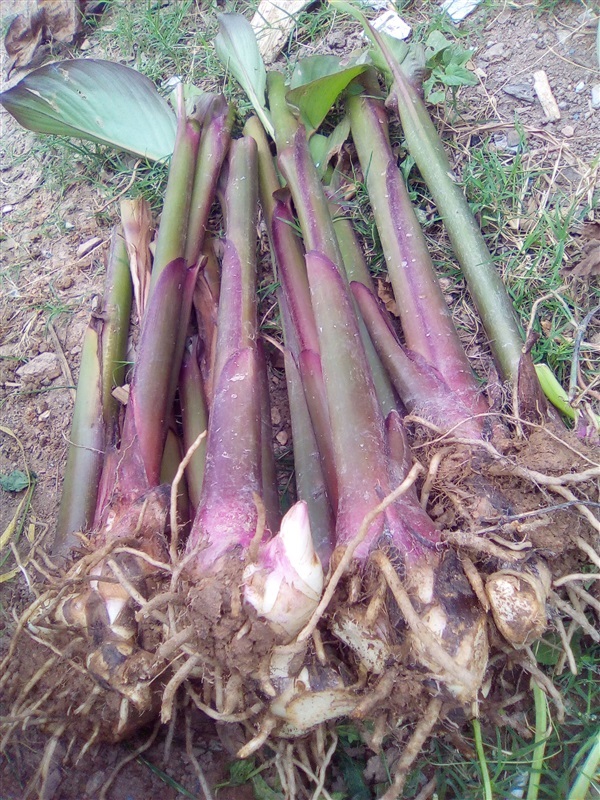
column 48, row 291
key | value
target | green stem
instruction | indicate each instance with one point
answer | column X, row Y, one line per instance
column 95, row 416
column 310, row 482
column 426, row 319
column 194, row 414
column 172, row 233
column 485, row 284
column 237, row 327
column 214, row 143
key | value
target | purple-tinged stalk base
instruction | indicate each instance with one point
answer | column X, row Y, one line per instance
column 227, row 517
column 421, row 388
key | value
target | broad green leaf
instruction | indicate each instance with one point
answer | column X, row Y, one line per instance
column 323, row 148
column 99, row 101
column 237, row 48
column 16, row 481
column 435, row 43
column 316, row 84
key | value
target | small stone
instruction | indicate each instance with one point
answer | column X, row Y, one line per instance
column 44, row 367
column 522, row 91
column 580, row 87
column 568, row 131
column 596, row 96
column 562, row 34
column 7, row 209
column 498, row 52
column 44, row 416
column 85, row 45
column 275, row 416
column 282, row 438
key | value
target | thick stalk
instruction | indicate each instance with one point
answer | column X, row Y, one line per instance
column 270, row 494
column 194, row 415
column 295, row 302
column 425, row 316
column 95, row 416
column 312, row 208
column 421, row 388
column 356, row 421
column 301, row 175
column 310, row 482
column 216, row 136
column 228, row 514
column 152, row 388
column 485, row 283
column 355, row 265
column 171, row 239
column 236, row 327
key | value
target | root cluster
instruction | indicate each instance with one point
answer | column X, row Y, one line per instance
column 372, row 650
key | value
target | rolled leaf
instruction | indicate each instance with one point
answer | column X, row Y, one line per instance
column 237, row 48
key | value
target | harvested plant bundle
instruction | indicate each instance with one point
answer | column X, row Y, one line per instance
column 178, row 578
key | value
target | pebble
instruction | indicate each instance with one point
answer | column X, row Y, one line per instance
column 580, row 87
column 522, row 91
column 568, row 131
column 44, row 367
column 596, row 96
column 496, row 52
column 282, row 438
column 7, row 209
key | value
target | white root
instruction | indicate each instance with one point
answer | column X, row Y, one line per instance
column 413, row 748
column 195, row 763
column 578, row 616
column 174, row 544
column 178, row 678
column 128, row 758
column 267, row 726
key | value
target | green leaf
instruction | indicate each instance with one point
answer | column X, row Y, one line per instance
column 352, row 773
column 316, row 84
column 262, row 790
column 99, row 101
column 323, row 148
column 456, row 75
column 237, row 49
column 554, row 391
column 16, row 481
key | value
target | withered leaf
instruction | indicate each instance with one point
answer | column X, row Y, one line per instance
column 588, row 264
column 384, row 292
column 42, row 21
